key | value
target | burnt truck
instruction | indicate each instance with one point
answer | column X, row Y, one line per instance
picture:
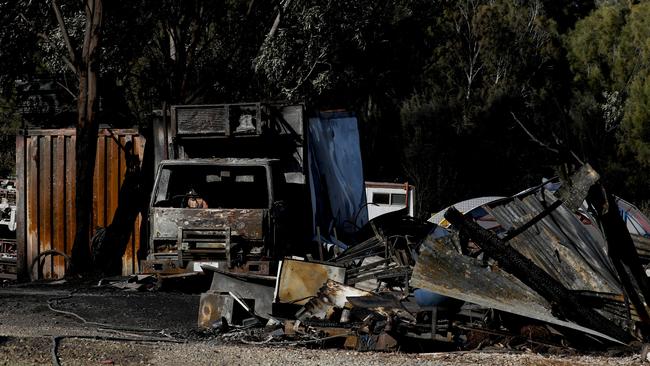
column 230, row 188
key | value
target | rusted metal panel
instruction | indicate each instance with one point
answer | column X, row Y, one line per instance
column 163, row 266
column 113, row 178
column 46, row 195
column 244, row 286
column 72, row 132
column 59, row 205
column 247, row 223
column 31, row 219
column 213, row 307
column 299, row 281
column 135, row 244
column 45, row 203
column 71, row 199
column 99, row 192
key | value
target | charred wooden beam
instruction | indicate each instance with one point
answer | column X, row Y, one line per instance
column 566, row 304
column 622, row 250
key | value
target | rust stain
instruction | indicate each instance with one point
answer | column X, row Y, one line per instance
column 70, row 171
column 112, row 179
column 300, row 280
column 45, row 202
column 31, row 218
column 99, row 218
column 59, row 203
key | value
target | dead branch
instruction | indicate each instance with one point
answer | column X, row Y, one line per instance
column 532, row 137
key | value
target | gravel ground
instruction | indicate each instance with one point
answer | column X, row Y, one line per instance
column 27, row 326
column 36, row 351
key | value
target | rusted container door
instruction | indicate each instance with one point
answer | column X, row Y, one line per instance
column 45, row 168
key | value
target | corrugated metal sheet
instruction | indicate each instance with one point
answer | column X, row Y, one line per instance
column 441, row 269
column 45, row 168
column 559, row 243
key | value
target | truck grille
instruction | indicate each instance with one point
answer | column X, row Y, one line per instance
column 196, row 244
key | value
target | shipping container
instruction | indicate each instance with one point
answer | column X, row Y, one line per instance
column 45, row 169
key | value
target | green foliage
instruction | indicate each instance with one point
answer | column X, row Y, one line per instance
column 429, row 161
column 609, row 52
column 178, row 52
column 327, row 51
column 490, row 60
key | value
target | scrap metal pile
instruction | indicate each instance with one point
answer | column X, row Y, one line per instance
column 8, row 252
column 545, row 268
column 8, row 259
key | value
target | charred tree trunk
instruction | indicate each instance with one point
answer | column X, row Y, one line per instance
column 86, row 66
column 85, row 150
column 109, row 246
column 622, row 252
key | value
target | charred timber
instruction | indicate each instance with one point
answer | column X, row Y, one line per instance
column 622, row 250
column 566, row 304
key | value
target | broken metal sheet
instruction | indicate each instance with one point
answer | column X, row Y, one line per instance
column 642, row 245
column 559, row 243
column 331, row 295
column 441, row 269
column 637, row 223
column 465, row 207
column 385, row 304
column 370, row 284
column 298, row 281
column 130, row 283
column 213, row 307
column 256, row 288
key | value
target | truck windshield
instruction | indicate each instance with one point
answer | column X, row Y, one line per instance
column 217, row 186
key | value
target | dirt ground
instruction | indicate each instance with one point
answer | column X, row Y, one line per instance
column 28, row 327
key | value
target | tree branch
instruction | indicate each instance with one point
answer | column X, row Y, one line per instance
column 66, row 37
column 67, row 89
column 532, row 137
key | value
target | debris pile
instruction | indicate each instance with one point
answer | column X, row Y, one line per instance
column 8, row 252
column 8, row 257
column 546, row 268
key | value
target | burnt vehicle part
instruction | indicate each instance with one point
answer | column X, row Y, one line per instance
column 230, row 293
column 236, row 227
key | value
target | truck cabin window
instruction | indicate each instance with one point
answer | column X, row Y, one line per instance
column 213, row 187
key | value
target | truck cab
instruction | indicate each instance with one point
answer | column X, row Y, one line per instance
column 220, row 194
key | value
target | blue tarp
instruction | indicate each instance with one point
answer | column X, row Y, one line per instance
column 336, row 173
